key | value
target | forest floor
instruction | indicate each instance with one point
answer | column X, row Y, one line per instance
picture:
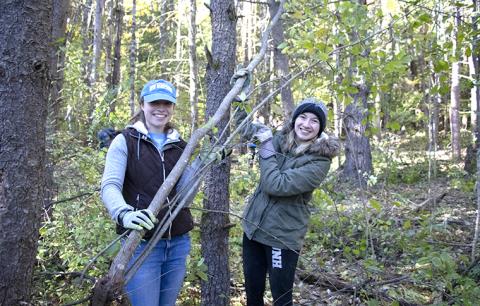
column 452, row 214
column 418, row 248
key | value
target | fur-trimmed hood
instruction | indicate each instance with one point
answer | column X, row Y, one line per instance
column 325, row 145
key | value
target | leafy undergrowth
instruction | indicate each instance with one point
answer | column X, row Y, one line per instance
column 404, row 240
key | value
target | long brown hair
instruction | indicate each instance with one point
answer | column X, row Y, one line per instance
column 140, row 116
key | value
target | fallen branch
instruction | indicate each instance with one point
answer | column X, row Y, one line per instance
column 429, row 201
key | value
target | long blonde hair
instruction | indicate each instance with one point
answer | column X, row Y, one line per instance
column 291, row 144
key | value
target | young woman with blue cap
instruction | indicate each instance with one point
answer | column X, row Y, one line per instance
column 137, row 163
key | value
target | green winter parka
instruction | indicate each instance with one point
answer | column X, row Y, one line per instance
column 277, row 214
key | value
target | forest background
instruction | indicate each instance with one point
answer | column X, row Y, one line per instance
column 395, row 223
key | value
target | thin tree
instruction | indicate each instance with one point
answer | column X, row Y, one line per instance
column 86, row 34
column 455, row 91
column 281, row 61
column 114, row 79
column 215, row 227
column 60, row 12
column 97, row 49
column 476, row 77
column 192, row 58
column 133, row 57
column 25, row 45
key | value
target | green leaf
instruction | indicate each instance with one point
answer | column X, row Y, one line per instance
column 393, row 125
column 282, row 45
column 375, row 204
column 440, row 66
column 425, row 18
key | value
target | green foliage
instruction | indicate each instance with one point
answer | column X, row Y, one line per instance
column 76, row 230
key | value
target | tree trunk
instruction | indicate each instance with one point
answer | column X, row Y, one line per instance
column 25, row 45
column 192, row 47
column 281, row 61
column 358, row 156
column 97, row 40
column 57, row 60
column 86, row 40
column 97, row 48
column 476, row 65
column 214, row 226
column 133, row 57
column 164, row 38
column 118, row 14
column 108, row 41
column 455, row 93
column 178, row 45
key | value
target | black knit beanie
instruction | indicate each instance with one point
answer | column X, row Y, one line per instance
column 311, row 105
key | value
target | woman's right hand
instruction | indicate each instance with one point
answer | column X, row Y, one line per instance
column 262, row 133
column 139, row 220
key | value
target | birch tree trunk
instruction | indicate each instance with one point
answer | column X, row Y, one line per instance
column 192, row 58
column 97, row 40
column 25, row 45
column 455, row 93
column 57, row 60
column 281, row 61
column 97, row 48
column 133, row 57
column 178, row 44
column 214, row 226
column 476, row 74
column 86, row 40
column 109, row 37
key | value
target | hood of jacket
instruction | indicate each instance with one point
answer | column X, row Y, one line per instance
column 325, row 145
column 172, row 134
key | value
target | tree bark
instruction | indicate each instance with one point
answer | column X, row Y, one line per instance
column 281, row 61
column 214, row 229
column 25, row 45
column 358, row 154
column 178, row 45
column 455, row 93
column 114, row 78
column 476, row 145
column 86, row 40
column 133, row 57
column 97, row 49
column 57, row 60
column 192, row 57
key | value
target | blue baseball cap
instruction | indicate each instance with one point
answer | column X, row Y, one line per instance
column 158, row 90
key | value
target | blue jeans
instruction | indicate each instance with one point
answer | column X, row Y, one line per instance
column 159, row 279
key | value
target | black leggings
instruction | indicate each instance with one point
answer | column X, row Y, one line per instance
column 258, row 259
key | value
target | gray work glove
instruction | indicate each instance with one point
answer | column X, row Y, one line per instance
column 138, row 220
column 242, row 73
column 262, row 133
column 217, row 154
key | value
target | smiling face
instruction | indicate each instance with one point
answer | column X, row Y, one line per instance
column 307, row 126
column 157, row 114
